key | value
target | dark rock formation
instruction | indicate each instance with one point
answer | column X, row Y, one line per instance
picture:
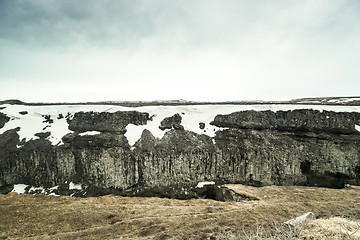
column 43, row 135
column 23, row 112
column 301, row 147
column 173, row 122
column 201, row 125
column 188, row 191
column 221, row 193
column 106, row 122
column 3, row 119
column 48, row 119
column 103, row 140
column 293, row 121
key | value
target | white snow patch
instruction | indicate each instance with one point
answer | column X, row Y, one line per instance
column 33, row 189
column 90, row 133
column 54, row 188
column 74, row 186
column 133, row 133
column 19, row 188
column 357, row 127
column 53, row 194
column 202, row 184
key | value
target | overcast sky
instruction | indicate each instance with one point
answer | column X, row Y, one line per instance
column 213, row 50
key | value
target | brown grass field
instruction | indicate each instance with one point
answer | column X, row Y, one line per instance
column 116, row 217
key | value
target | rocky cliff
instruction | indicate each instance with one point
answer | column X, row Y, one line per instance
column 299, row 147
column 3, row 119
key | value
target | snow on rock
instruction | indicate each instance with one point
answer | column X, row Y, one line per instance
column 331, row 100
column 74, row 186
column 90, row 133
column 19, row 188
column 27, row 189
column 37, row 190
column 192, row 115
column 357, row 127
column 37, row 118
column 344, row 100
column 202, row 184
column 35, row 121
column 54, row 194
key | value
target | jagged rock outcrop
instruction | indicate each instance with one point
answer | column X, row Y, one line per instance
column 173, row 122
column 105, row 121
column 3, row 119
column 292, row 121
column 301, row 147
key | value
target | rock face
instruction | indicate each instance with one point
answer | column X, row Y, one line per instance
column 292, row 121
column 106, row 122
column 3, row 119
column 301, row 147
column 173, row 122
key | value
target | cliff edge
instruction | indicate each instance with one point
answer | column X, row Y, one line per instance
column 292, row 147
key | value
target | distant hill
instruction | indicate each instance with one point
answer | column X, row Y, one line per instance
column 347, row 101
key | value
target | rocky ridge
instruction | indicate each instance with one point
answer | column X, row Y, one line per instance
column 299, row 147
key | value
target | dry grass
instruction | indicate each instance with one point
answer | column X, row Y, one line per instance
column 335, row 228
column 332, row 228
column 115, row 217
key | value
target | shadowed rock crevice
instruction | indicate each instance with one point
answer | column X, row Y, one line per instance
column 3, row 119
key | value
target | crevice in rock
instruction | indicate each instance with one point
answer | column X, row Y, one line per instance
column 223, row 194
column 185, row 192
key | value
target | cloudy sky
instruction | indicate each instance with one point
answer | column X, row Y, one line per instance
column 66, row 50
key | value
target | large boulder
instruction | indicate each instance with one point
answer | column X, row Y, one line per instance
column 173, row 122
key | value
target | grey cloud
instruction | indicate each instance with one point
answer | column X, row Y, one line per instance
column 63, row 22
column 269, row 47
column 170, row 23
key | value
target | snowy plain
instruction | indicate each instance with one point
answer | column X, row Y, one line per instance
column 34, row 120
